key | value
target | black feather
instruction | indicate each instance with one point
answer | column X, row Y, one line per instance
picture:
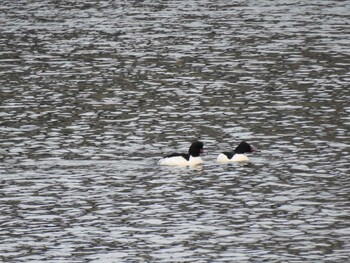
column 242, row 148
column 229, row 154
column 184, row 155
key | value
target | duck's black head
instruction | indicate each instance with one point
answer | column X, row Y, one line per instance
column 244, row 147
column 196, row 149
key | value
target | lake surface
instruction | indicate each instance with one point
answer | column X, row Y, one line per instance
column 93, row 93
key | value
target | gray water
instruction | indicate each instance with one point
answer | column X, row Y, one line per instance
column 93, row 93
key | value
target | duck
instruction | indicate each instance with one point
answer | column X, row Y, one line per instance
column 185, row 159
column 238, row 155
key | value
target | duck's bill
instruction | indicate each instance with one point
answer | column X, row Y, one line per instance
column 253, row 149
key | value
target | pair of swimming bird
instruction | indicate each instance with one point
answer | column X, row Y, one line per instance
column 196, row 149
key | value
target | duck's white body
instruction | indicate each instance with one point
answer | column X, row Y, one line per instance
column 184, row 159
column 222, row 158
column 180, row 161
column 238, row 155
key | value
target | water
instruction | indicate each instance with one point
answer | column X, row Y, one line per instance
column 93, row 93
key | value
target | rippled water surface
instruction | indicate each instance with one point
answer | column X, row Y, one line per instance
column 93, row 93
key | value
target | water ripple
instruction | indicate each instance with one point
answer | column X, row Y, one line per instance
column 92, row 94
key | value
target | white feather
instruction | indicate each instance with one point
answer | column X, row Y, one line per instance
column 222, row 158
column 180, row 161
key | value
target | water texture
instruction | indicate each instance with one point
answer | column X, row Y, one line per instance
column 93, row 93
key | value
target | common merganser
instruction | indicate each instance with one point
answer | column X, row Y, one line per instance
column 238, row 155
column 184, row 159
